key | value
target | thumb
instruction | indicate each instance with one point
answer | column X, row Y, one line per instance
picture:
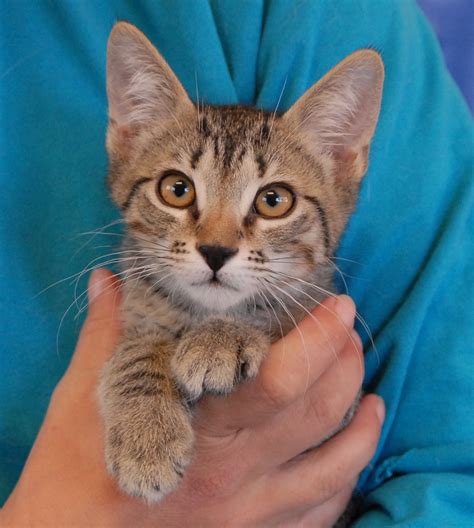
column 102, row 326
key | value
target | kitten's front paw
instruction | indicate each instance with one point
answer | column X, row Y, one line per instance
column 216, row 356
column 149, row 460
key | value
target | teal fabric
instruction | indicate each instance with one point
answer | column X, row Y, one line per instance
column 411, row 237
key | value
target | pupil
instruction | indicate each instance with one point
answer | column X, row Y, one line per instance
column 272, row 198
column 180, row 188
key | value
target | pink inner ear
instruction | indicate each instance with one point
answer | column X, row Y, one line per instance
column 125, row 133
column 348, row 155
column 339, row 113
column 139, row 83
column 142, row 89
column 119, row 138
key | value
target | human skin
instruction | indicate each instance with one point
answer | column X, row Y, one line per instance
column 246, row 471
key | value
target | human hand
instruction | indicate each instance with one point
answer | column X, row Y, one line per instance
column 252, row 466
column 244, row 472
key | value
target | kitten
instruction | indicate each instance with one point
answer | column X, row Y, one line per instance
column 232, row 216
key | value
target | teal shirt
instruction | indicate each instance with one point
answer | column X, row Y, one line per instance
column 409, row 242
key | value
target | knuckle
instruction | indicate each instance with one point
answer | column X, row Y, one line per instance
column 277, row 392
column 352, row 363
column 331, row 483
column 321, row 483
column 327, row 414
column 331, row 414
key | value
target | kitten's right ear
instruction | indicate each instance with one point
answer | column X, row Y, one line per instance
column 141, row 87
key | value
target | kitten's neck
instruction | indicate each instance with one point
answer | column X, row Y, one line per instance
column 150, row 306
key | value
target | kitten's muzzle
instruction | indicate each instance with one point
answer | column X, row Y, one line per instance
column 216, row 256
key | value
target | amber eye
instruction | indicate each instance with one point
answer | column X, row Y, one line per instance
column 274, row 201
column 176, row 189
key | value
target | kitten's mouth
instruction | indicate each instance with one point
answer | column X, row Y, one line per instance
column 214, row 282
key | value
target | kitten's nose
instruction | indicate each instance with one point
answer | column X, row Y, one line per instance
column 216, row 256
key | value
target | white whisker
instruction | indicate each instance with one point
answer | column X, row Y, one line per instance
column 320, row 326
column 290, row 315
column 358, row 316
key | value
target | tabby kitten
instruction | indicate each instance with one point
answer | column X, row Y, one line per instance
column 232, row 216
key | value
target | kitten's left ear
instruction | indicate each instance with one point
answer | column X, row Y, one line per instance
column 141, row 87
column 339, row 113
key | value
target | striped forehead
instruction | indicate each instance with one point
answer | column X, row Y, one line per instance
column 229, row 156
column 232, row 133
column 233, row 188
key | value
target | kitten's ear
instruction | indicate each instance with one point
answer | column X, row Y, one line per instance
column 339, row 113
column 141, row 87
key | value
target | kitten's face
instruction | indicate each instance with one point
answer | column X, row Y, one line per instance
column 229, row 205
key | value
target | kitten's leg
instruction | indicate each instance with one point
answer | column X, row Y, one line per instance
column 148, row 435
column 217, row 355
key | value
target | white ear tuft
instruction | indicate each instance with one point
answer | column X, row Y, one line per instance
column 339, row 113
column 141, row 87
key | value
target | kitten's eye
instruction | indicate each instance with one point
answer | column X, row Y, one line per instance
column 274, row 201
column 177, row 190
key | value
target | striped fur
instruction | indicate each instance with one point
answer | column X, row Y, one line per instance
column 189, row 329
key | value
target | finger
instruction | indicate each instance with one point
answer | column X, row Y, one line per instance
column 313, row 417
column 102, row 326
column 293, row 364
column 325, row 514
column 317, row 475
column 328, row 513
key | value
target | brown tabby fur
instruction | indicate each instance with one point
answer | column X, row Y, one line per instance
column 185, row 334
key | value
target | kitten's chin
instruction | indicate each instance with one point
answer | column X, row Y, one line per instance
column 215, row 297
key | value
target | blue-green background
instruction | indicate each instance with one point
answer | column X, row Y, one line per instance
column 411, row 236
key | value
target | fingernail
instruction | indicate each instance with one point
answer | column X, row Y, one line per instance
column 97, row 283
column 380, row 410
column 345, row 308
